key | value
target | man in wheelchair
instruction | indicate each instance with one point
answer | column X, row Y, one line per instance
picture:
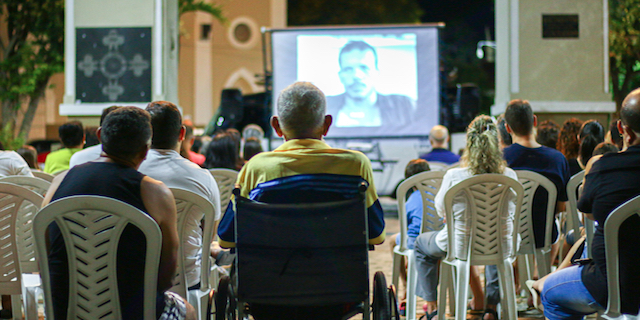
column 302, row 121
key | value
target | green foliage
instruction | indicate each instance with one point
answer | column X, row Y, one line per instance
column 329, row 12
column 192, row 5
column 624, row 43
column 9, row 140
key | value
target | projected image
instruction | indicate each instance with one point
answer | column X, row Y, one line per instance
column 370, row 80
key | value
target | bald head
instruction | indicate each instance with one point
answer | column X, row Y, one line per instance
column 301, row 110
column 630, row 112
column 438, row 136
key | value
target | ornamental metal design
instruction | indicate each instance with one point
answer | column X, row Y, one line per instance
column 113, row 64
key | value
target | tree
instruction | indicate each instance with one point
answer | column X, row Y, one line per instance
column 31, row 51
column 192, row 5
column 624, row 45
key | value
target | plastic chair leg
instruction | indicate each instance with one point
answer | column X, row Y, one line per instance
column 16, row 306
column 446, row 288
column 395, row 273
column 507, row 290
column 524, row 273
column 412, row 279
column 462, row 289
column 543, row 261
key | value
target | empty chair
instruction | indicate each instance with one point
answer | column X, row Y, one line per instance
column 18, row 205
column 187, row 204
column 487, row 197
column 91, row 227
column 428, row 184
column 226, row 180
column 40, row 186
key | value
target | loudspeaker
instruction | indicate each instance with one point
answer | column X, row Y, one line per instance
column 231, row 110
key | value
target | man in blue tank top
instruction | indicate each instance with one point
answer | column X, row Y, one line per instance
column 125, row 136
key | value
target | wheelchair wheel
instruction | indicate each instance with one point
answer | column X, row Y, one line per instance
column 381, row 299
column 225, row 300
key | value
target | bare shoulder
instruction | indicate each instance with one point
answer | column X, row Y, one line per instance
column 53, row 188
column 157, row 198
column 590, row 163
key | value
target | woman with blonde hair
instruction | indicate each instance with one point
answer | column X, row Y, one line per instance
column 482, row 155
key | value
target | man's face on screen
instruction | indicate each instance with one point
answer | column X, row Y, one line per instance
column 357, row 73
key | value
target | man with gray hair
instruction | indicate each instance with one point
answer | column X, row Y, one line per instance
column 302, row 121
column 439, row 138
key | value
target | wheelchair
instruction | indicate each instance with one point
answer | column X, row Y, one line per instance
column 302, row 244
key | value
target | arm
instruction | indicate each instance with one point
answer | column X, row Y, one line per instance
column 160, row 204
column 587, row 169
column 53, row 188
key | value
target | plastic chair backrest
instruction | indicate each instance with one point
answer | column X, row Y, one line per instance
column 611, row 231
column 28, row 203
column 97, row 223
column 572, row 205
column 10, row 271
column 427, row 183
column 226, row 180
column 43, row 175
column 302, row 254
column 40, row 186
column 487, row 202
column 531, row 181
column 189, row 204
column 438, row 166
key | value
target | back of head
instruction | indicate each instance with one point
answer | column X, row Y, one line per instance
column 568, row 142
column 519, row 117
column 614, row 134
column 483, row 154
column 548, row 134
column 29, row 155
column 604, row 148
column 126, row 132
column 503, row 134
column 252, row 147
column 438, row 135
column 71, row 134
column 416, row 166
column 301, row 110
column 166, row 122
column 630, row 111
column 106, row 111
column 252, row 131
column 591, row 134
column 222, row 152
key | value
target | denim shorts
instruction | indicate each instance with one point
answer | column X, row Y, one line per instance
column 564, row 296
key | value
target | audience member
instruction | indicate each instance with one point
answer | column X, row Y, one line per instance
column 604, row 148
column 591, row 134
column 302, row 121
column 92, row 152
column 72, row 137
column 527, row 154
column 569, row 145
column 613, row 135
column 222, row 152
column 579, row 290
column 504, row 138
column 29, row 154
column 187, row 144
column 483, row 156
column 165, row 164
column 547, row 134
column 125, row 135
column 252, row 147
column 90, row 137
column 12, row 164
column 439, row 139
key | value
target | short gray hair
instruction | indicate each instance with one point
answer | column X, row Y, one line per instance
column 301, row 108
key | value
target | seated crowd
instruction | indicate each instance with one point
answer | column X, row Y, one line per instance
column 143, row 153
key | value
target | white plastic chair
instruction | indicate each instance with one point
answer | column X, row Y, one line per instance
column 226, row 180
column 486, row 198
column 43, row 175
column 188, row 204
column 96, row 223
column 438, row 166
column 428, row 184
column 611, row 228
column 531, row 181
column 18, row 205
column 40, row 186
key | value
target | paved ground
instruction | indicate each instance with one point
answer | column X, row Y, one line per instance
column 381, row 260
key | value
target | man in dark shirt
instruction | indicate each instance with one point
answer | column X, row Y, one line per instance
column 527, row 154
column 439, row 138
column 610, row 181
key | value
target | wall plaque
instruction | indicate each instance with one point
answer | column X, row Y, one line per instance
column 113, row 64
column 560, row 26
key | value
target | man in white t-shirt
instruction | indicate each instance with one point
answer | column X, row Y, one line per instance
column 93, row 152
column 165, row 163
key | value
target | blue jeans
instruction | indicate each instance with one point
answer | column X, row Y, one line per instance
column 564, row 296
